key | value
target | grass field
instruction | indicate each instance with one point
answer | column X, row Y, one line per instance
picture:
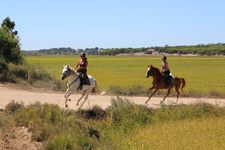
column 122, row 126
column 207, row 133
column 203, row 75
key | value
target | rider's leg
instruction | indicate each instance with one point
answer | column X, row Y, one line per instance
column 167, row 79
column 81, row 81
column 81, row 76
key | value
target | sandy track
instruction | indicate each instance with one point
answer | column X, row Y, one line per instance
column 29, row 96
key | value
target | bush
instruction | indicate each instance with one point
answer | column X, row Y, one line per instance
column 39, row 77
column 95, row 113
column 3, row 70
column 13, row 107
column 127, row 115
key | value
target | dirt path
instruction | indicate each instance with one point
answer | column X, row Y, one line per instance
column 28, row 96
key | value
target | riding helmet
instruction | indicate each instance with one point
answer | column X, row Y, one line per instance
column 164, row 57
column 83, row 54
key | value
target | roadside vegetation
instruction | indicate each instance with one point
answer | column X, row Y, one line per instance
column 123, row 125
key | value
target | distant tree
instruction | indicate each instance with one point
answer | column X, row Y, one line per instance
column 9, row 43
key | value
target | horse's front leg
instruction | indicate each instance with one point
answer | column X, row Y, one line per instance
column 83, row 93
column 150, row 89
column 151, row 95
column 65, row 96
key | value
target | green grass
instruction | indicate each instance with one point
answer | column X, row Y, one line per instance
column 204, row 75
column 196, row 126
column 207, row 133
column 124, row 125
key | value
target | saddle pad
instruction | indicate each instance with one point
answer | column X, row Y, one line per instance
column 86, row 80
column 172, row 80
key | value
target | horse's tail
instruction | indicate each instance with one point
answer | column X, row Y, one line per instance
column 96, row 88
column 183, row 83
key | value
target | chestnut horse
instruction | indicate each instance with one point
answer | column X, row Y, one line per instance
column 160, row 83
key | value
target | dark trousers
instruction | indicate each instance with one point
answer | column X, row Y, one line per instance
column 83, row 73
column 167, row 75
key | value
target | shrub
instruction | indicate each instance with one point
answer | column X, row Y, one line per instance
column 95, row 113
column 127, row 115
column 13, row 106
column 3, row 70
column 39, row 77
column 60, row 143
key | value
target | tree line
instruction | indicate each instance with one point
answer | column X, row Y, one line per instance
column 209, row 49
column 62, row 51
column 201, row 49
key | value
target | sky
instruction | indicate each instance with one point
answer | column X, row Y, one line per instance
column 80, row 24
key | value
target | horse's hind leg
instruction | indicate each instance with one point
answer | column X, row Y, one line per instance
column 83, row 93
column 177, row 87
column 86, row 97
column 168, row 92
column 178, row 93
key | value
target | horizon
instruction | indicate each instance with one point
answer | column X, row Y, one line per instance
column 115, row 24
column 123, row 47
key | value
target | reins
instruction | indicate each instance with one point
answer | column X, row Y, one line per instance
column 73, row 81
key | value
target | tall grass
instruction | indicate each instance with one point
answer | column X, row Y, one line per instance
column 57, row 128
column 133, row 126
column 123, row 125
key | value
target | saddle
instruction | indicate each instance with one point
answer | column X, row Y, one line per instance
column 171, row 80
column 86, row 80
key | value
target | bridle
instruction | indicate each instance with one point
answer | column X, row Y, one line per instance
column 150, row 73
column 67, row 75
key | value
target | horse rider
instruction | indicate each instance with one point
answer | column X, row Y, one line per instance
column 165, row 70
column 83, row 63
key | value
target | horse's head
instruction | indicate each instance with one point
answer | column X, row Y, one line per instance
column 149, row 71
column 65, row 72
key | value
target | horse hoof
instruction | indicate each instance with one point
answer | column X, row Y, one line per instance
column 66, row 105
column 69, row 99
column 77, row 104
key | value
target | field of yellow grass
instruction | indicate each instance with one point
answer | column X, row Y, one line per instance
column 203, row 75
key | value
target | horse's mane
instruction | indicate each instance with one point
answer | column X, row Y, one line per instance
column 157, row 69
column 73, row 71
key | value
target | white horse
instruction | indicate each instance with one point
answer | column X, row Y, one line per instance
column 74, row 83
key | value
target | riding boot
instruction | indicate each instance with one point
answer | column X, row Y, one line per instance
column 81, row 82
column 86, row 80
column 167, row 81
